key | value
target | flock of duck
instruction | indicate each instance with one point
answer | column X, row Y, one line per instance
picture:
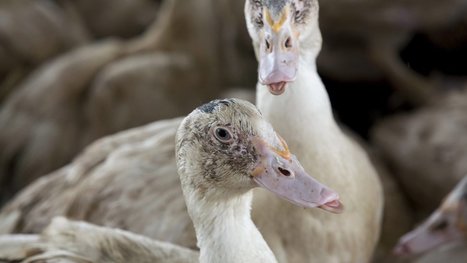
column 223, row 150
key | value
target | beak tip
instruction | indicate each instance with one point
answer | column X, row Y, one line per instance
column 334, row 206
column 277, row 88
column 401, row 249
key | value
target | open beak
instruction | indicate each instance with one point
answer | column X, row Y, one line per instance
column 280, row 172
column 279, row 53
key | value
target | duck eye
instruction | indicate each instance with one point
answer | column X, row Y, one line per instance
column 259, row 21
column 222, row 135
column 298, row 16
column 441, row 225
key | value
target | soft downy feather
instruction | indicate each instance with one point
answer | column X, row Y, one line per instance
column 80, row 242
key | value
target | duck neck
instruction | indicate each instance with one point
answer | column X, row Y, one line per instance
column 224, row 229
column 305, row 104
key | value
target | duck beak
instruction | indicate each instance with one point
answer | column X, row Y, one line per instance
column 434, row 232
column 281, row 173
column 279, row 53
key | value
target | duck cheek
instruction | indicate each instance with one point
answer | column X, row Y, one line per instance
column 279, row 171
column 289, row 180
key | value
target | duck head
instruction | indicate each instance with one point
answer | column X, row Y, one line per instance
column 447, row 224
column 225, row 146
column 283, row 32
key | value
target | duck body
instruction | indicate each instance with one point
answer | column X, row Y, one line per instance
column 287, row 39
column 426, row 148
column 333, row 158
column 64, row 240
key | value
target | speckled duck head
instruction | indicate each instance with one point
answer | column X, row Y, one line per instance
column 283, row 33
column 225, row 148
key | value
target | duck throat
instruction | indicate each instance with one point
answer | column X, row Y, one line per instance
column 303, row 113
column 224, row 229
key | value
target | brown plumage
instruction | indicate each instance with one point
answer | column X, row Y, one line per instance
column 80, row 242
column 33, row 32
column 427, row 148
column 116, row 84
column 134, row 172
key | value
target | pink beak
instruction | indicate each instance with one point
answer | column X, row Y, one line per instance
column 434, row 232
column 278, row 59
column 281, row 173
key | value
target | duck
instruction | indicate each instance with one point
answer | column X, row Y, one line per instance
column 119, row 173
column 445, row 226
column 259, row 157
column 224, row 149
column 287, row 39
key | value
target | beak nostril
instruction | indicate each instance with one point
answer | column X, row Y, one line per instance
column 284, row 172
column 268, row 45
column 288, row 43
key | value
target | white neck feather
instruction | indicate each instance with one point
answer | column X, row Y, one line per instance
column 305, row 103
column 224, row 229
column 303, row 114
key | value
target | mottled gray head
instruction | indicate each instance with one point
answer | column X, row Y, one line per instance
column 282, row 32
column 226, row 148
column 215, row 139
column 299, row 11
column 275, row 6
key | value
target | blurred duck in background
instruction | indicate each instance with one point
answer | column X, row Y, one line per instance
column 55, row 109
column 446, row 225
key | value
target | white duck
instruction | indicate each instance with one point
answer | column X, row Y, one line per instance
column 223, row 150
column 287, row 39
column 242, row 152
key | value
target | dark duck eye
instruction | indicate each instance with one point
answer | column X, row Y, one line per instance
column 223, row 135
column 440, row 225
column 298, row 16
